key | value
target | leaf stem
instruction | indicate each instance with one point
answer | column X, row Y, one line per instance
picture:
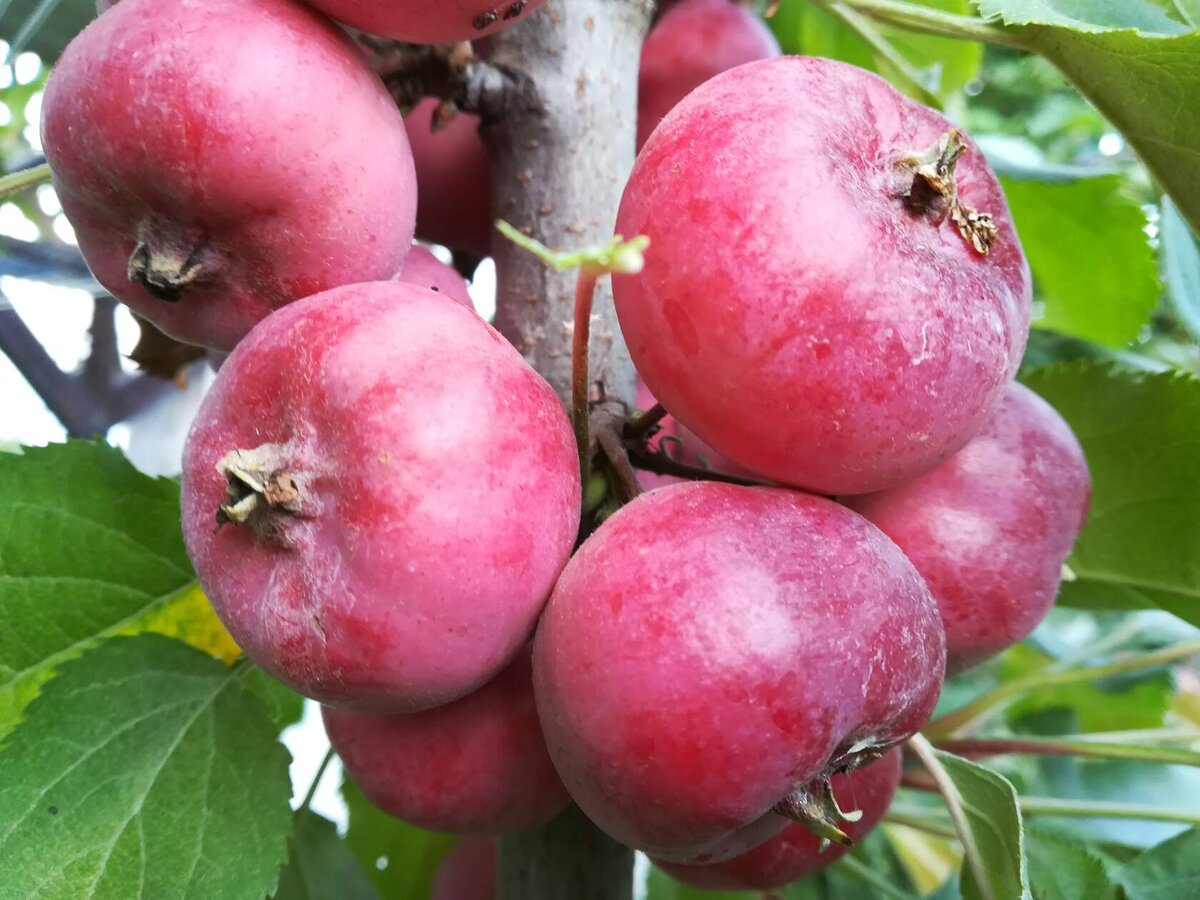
column 1140, row 736
column 316, row 782
column 1104, row 645
column 928, row 756
column 865, row 29
column 964, row 716
column 15, row 182
column 636, row 429
column 1099, row 809
column 1053, row 806
column 973, row 748
column 915, row 17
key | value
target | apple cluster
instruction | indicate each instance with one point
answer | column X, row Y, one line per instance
column 382, row 499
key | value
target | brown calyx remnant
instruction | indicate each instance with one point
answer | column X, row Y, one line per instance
column 165, row 272
column 259, row 488
column 814, row 806
column 934, row 193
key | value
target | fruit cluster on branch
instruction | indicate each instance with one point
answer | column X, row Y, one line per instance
column 383, row 499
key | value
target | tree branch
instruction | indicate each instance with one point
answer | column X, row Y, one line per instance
column 559, row 165
column 450, row 72
column 561, row 144
column 69, row 401
column 92, row 401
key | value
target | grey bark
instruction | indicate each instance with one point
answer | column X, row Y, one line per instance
column 569, row 859
column 560, row 159
column 559, row 164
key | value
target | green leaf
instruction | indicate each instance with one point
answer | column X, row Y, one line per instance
column 1119, row 782
column 951, row 64
column 1142, row 84
column 943, row 66
column 1170, row 871
column 1093, row 266
column 89, row 548
column 143, row 770
column 1141, row 435
column 1061, row 869
column 320, row 866
column 1090, row 16
column 284, row 705
column 400, row 859
column 805, row 28
column 1188, row 11
column 1181, row 266
column 1048, row 348
column 993, row 820
column 1117, row 704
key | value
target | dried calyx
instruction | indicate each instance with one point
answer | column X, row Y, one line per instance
column 813, row 804
column 165, row 272
column 815, row 807
column 934, row 192
column 258, row 488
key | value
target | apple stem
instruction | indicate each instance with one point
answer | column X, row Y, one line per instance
column 585, row 291
column 660, row 462
column 864, row 873
column 640, row 427
column 617, row 255
column 606, row 422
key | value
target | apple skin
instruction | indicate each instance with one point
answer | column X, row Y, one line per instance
column 414, row 560
column 689, row 44
column 990, row 528
column 711, row 648
column 454, row 181
column 425, row 270
column 224, row 139
column 806, row 322
column 477, row 765
column 796, row 851
column 425, row 22
column 468, row 871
